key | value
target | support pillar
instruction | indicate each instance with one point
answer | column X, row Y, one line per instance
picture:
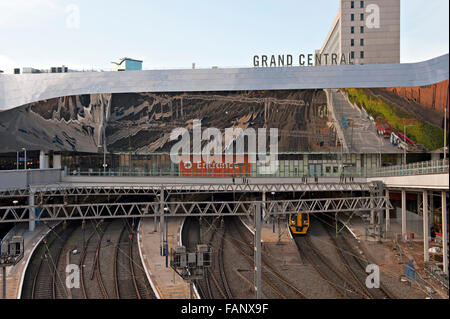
column 32, row 212
column 257, row 261
column 372, row 212
column 161, row 221
column 56, row 160
column 43, row 160
column 426, row 227
column 444, row 232
column 404, row 234
column 4, row 282
column 264, row 204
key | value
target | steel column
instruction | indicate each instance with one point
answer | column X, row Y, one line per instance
column 264, row 204
column 257, row 253
column 161, row 221
column 388, row 215
column 404, row 234
column 426, row 227
column 372, row 212
column 32, row 213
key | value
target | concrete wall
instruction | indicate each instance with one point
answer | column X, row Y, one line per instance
column 436, row 181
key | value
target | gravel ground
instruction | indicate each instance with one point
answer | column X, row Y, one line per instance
column 384, row 256
column 286, row 258
column 320, row 238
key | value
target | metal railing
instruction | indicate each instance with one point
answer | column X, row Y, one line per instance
column 421, row 168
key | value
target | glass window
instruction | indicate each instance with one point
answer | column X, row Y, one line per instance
column 352, row 54
column 361, row 4
column 352, row 42
column 352, row 4
column 362, row 16
column 328, row 169
column 362, row 29
column 335, row 169
column 361, row 55
column 361, row 42
column 352, row 17
column 352, row 30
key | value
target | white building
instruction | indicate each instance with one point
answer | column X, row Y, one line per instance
column 364, row 32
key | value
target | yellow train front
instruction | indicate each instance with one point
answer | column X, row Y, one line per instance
column 299, row 223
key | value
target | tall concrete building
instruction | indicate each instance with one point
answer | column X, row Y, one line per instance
column 365, row 32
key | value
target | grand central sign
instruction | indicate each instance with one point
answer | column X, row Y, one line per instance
column 302, row 60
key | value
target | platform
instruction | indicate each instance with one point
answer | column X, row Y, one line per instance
column 169, row 285
column 15, row 273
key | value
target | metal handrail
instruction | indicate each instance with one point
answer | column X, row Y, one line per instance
column 420, row 168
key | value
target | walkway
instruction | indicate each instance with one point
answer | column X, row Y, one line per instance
column 168, row 284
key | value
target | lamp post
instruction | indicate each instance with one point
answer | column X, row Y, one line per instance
column 381, row 149
column 273, row 221
column 404, row 149
column 445, row 133
column 351, row 142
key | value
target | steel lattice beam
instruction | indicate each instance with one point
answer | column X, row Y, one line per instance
column 70, row 190
column 216, row 208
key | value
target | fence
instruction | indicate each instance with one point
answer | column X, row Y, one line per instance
column 421, row 168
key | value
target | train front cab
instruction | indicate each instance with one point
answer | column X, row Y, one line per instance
column 299, row 223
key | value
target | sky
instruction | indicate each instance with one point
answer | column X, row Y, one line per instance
column 89, row 34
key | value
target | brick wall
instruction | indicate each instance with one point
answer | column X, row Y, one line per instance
column 435, row 97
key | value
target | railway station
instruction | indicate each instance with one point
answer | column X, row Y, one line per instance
column 286, row 182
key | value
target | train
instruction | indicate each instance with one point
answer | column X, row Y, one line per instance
column 299, row 223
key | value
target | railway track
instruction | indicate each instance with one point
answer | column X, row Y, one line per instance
column 46, row 277
column 90, row 257
column 279, row 284
column 125, row 282
column 106, row 248
column 326, row 270
column 140, row 277
column 216, row 275
column 215, row 284
column 355, row 265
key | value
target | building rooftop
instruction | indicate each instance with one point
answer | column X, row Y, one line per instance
column 124, row 59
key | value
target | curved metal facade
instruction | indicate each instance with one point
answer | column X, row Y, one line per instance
column 17, row 90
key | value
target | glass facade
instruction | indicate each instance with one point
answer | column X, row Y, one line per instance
column 287, row 165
